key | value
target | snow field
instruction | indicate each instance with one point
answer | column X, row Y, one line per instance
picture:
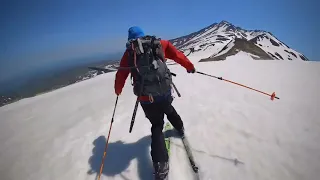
column 61, row 134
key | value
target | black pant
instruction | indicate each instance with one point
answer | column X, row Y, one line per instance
column 155, row 113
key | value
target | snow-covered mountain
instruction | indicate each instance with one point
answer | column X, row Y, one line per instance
column 93, row 73
column 223, row 39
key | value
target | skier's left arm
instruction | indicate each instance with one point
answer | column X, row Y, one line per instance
column 172, row 53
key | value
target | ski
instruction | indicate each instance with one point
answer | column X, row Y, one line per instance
column 189, row 154
column 193, row 164
column 167, row 138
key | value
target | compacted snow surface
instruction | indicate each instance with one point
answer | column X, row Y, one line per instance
column 61, row 135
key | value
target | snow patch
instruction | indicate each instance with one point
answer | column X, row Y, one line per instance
column 226, row 48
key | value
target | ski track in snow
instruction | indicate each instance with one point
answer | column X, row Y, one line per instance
column 61, row 135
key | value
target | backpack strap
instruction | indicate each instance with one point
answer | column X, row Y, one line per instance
column 139, row 50
column 134, row 51
column 157, row 48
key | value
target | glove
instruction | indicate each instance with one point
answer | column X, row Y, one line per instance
column 192, row 70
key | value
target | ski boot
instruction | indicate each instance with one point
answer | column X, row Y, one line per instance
column 181, row 132
column 161, row 170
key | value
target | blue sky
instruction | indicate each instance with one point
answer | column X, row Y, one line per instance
column 37, row 33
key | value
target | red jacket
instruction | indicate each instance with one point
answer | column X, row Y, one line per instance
column 170, row 52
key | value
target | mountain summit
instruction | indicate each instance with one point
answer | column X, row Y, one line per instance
column 220, row 40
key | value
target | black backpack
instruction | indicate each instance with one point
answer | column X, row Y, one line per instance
column 150, row 74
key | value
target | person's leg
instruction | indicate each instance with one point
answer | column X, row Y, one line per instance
column 159, row 154
column 173, row 116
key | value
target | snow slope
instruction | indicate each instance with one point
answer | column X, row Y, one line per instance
column 210, row 41
column 61, row 135
column 276, row 48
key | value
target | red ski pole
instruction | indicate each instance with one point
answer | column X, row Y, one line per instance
column 105, row 149
column 272, row 96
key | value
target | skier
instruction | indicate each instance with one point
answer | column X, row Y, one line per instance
column 158, row 101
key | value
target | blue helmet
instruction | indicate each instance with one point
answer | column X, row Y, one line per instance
column 135, row 32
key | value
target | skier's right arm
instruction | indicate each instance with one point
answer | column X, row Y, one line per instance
column 122, row 74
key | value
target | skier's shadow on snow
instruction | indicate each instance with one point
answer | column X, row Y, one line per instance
column 120, row 154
